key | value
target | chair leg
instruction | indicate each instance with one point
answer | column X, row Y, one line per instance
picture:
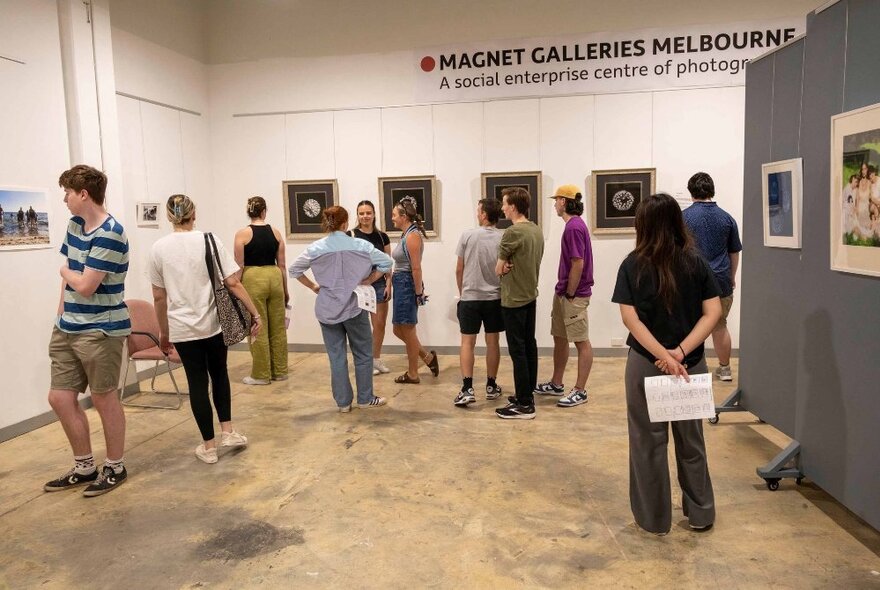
column 153, row 389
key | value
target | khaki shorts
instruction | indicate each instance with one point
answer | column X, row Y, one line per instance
column 568, row 319
column 92, row 360
column 726, row 303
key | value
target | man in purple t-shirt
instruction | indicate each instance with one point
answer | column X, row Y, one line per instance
column 569, row 322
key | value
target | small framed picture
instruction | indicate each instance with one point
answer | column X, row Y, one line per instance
column 148, row 214
column 616, row 196
column 420, row 188
column 493, row 183
column 782, row 184
column 304, row 201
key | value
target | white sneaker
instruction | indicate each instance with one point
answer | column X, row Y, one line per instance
column 375, row 371
column 251, row 381
column 280, row 378
column 723, row 373
column 374, row 403
column 345, row 409
column 233, row 439
column 379, row 366
column 207, row 455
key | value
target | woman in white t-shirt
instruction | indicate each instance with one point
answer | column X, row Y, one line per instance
column 184, row 300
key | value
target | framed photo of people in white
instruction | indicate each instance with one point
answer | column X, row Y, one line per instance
column 421, row 188
column 493, row 183
column 616, row 196
column 304, row 201
column 854, row 199
column 783, row 194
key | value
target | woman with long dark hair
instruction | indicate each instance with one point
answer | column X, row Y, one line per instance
column 366, row 230
column 669, row 303
column 259, row 251
column 409, row 289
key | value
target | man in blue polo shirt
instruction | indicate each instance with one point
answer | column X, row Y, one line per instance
column 717, row 238
column 91, row 327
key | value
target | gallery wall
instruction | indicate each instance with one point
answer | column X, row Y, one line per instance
column 808, row 352
column 563, row 137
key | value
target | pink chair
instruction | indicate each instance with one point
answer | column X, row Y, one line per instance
column 143, row 345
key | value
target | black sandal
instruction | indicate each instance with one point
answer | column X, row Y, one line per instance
column 405, row 378
column 434, row 365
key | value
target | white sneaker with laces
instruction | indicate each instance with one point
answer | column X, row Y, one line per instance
column 380, row 366
column 723, row 373
column 233, row 439
column 251, row 381
column 207, row 455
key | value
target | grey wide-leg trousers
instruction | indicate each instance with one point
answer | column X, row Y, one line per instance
column 649, row 488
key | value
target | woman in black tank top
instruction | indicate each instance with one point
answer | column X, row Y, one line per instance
column 366, row 230
column 259, row 251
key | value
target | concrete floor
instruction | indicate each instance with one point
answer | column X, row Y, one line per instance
column 417, row 494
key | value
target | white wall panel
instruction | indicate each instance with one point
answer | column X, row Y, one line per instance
column 511, row 130
column 407, row 142
column 163, row 152
column 358, row 156
column 309, row 146
column 622, row 136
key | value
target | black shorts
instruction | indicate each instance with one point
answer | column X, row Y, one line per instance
column 472, row 314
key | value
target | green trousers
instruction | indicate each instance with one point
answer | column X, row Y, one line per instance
column 269, row 348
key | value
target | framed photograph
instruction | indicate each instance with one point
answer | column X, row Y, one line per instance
column 493, row 183
column 304, row 201
column 148, row 214
column 616, row 195
column 24, row 219
column 782, row 184
column 855, row 191
column 422, row 188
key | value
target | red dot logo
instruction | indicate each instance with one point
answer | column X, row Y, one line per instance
column 428, row 64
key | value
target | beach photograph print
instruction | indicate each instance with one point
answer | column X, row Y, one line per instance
column 860, row 189
column 24, row 219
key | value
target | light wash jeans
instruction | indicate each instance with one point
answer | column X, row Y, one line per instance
column 360, row 336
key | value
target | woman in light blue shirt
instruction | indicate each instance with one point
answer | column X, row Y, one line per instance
column 339, row 264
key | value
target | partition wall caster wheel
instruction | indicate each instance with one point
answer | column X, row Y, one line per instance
column 772, row 484
column 714, row 420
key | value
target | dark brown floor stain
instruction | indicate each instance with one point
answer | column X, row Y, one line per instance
column 247, row 540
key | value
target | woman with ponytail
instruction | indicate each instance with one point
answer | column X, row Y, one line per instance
column 669, row 303
column 184, row 298
column 409, row 289
column 259, row 250
column 339, row 264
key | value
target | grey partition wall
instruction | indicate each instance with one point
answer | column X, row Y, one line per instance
column 810, row 336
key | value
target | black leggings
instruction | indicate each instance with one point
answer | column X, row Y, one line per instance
column 203, row 358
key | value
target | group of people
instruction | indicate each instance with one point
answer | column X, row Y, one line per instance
column 861, row 203
column 674, row 290
column 24, row 218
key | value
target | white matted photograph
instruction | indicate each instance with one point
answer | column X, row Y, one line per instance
column 148, row 214
column 854, row 199
column 24, row 219
column 783, row 195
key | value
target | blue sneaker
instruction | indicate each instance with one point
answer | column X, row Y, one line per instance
column 574, row 398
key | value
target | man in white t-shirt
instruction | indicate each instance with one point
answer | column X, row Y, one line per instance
column 479, row 289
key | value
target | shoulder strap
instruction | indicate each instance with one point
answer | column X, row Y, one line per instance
column 209, row 259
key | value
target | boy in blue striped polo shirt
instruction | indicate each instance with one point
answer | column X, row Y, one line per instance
column 87, row 340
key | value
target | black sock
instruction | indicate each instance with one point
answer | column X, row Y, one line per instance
column 490, row 382
column 467, row 383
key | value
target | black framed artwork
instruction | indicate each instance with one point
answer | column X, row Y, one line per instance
column 616, row 196
column 304, row 201
column 420, row 188
column 493, row 183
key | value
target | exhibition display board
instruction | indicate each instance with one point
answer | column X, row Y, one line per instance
column 808, row 333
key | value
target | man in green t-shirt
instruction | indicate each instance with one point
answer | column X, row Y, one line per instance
column 519, row 261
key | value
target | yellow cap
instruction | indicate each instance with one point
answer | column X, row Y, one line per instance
column 566, row 191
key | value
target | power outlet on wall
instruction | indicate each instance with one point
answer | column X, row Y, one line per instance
column 619, row 341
